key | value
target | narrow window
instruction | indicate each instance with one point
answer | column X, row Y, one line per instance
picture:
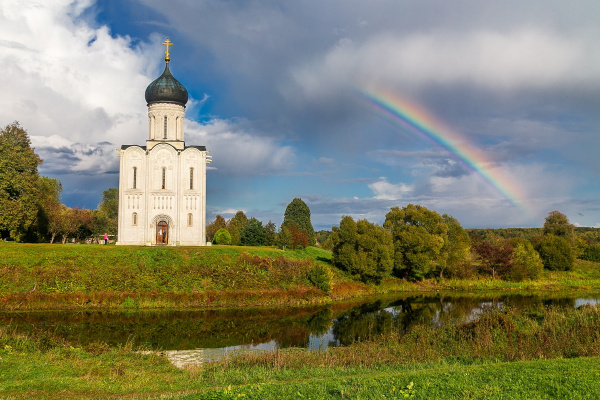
column 191, row 178
column 164, row 176
column 135, row 177
column 134, row 219
column 190, row 219
column 165, row 127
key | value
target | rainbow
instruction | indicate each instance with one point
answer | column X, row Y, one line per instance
column 417, row 120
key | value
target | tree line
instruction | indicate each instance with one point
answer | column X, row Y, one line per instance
column 296, row 230
column 416, row 243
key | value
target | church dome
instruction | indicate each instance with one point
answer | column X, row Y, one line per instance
column 166, row 89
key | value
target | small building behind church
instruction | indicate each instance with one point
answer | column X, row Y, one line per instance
column 162, row 185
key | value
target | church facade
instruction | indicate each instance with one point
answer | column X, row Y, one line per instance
column 162, row 185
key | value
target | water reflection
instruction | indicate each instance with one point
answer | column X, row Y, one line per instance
column 251, row 330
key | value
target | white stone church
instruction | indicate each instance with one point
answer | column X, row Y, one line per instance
column 162, row 186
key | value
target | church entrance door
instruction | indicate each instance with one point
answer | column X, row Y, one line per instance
column 162, row 232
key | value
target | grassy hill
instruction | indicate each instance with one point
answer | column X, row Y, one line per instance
column 44, row 276
column 71, row 276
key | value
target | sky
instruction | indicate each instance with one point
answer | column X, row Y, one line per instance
column 486, row 111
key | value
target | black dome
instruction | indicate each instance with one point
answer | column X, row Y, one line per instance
column 166, row 89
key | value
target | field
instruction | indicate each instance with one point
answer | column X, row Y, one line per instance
column 539, row 353
column 43, row 276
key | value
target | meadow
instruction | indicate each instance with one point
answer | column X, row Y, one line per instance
column 537, row 353
column 44, row 276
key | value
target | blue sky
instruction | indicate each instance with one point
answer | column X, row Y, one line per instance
column 273, row 88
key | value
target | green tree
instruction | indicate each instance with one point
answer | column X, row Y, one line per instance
column 222, row 236
column 107, row 215
column 253, row 233
column 456, row 250
column 48, row 203
column 213, row 227
column 270, row 233
column 75, row 223
column 591, row 253
column 297, row 211
column 556, row 253
column 419, row 235
column 235, row 226
column 558, row 224
column 363, row 249
column 526, row 262
column 19, row 179
column 284, row 237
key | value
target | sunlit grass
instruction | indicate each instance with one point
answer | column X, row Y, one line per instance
column 540, row 353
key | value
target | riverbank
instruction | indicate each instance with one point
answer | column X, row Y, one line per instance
column 44, row 276
column 544, row 353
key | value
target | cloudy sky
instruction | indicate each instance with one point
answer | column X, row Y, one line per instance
column 492, row 112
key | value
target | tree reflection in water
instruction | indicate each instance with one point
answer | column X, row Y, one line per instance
column 315, row 328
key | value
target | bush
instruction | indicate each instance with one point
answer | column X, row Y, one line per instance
column 363, row 249
column 321, row 277
column 526, row 263
column 222, row 237
column 591, row 253
column 556, row 253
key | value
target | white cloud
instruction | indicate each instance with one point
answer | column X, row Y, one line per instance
column 237, row 151
column 64, row 78
column 383, row 190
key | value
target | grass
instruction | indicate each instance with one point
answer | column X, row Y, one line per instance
column 44, row 276
column 538, row 354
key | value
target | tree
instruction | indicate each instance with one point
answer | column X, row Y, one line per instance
column 107, row 215
column 299, row 236
column 363, row 249
column 271, row 233
column 558, row 224
column 222, row 236
column 19, row 179
column 297, row 211
column 76, row 222
column 253, row 233
column 284, row 237
column 526, row 262
column 494, row 257
column 235, row 226
column 556, row 253
column 48, row 202
column 213, row 227
column 456, row 249
column 419, row 236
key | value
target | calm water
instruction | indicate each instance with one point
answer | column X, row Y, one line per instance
column 219, row 332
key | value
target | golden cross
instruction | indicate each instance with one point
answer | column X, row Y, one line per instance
column 167, row 43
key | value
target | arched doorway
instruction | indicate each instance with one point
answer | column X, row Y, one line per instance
column 162, row 232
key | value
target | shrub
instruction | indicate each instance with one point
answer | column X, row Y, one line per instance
column 591, row 253
column 363, row 249
column 556, row 253
column 321, row 277
column 222, row 237
column 526, row 263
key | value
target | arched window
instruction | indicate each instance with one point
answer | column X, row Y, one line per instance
column 164, row 177
column 134, row 219
column 190, row 219
column 134, row 177
column 165, row 127
column 191, row 178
